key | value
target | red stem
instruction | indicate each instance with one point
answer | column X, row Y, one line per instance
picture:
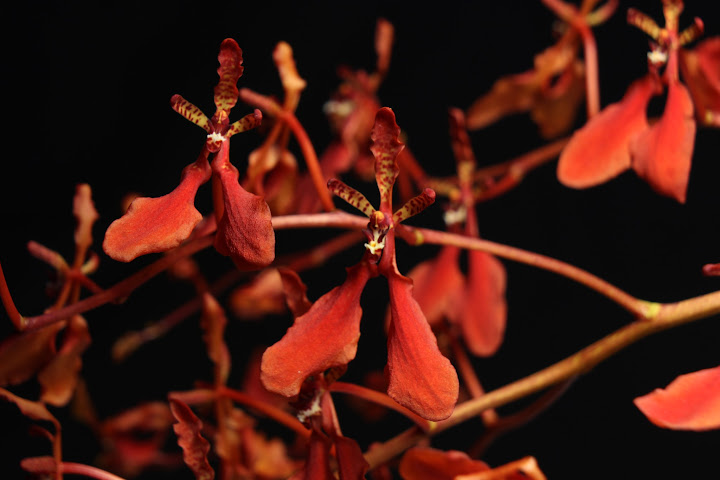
column 7, row 301
column 88, row 471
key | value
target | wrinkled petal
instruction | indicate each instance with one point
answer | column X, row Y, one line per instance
column 59, row 378
column 663, row 153
column 422, row 463
column 484, row 310
column 351, row 463
column 600, row 150
column 230, row 71
column 195, row 447
column 438, row 283
column 385, row 148
column 213, row 323
column 295, row 292
column 419, row 376
column 556, row 109
column 153, row 225
column 508, row 95
column 690, row 402
column 245, row 231
column 701, row 72
column 324, row 337
column 264, row 295
column 85, row 215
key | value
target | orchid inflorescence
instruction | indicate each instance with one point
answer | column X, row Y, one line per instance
column 443, row 311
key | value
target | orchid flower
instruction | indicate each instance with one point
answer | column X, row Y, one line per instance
column 244, row 229
column 419, row 376
column 620, row 137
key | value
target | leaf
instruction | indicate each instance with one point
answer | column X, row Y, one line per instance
column 245, row 231
column 662, row 154
column 690, row 402
column 385, row 148
column 419, row 376
column 324, row 337
column 195, row 447
column 153, row 225
column 60, row 376
column 600, row 150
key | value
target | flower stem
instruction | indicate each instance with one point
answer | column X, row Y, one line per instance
column 668, row 316
column 18, row 320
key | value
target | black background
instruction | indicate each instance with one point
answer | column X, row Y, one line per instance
column 86, row 99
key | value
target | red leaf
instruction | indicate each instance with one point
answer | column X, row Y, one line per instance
column 663, row 153
column 483, row 310
column 154, row 225
column 326, row 336
column 419, row 376
column 422, row 463
column 600, row 150
column 195, row 447
column 245, row 231
column 690, row 402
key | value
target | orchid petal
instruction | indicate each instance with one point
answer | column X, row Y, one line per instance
column 230, row 71
column 195, row 447
column 60, row 376
column 663, row 153
column 85, row 214
column 690, row 402
column 484, row 310
column 701, row 72
column 190, row 112
column 419, row 376
column 437, row 284
column 385, row 148
column 245, row 230
column 510, row 94
column 213, row 323
column 324, row 337
column 600, row 150
column 415, row 205
column 295, row 292
column 423, row 463
column 154, row 225
column 351, row 196
column 248, row 122
column 262, row 296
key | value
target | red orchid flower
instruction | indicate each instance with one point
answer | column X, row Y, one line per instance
column 620, row 137
column 326, row 336
column 245, row 231
column 690, row 402
column 701, row 71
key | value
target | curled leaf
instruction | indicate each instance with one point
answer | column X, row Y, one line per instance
column 690, row 402
column 419, row 376
column 153, row 225
column 324, row 337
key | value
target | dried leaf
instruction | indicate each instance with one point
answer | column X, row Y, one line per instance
column 690, row 402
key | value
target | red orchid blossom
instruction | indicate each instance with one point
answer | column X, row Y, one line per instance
column 419, row 376
column 476, row 303
column 244, row 229
column 701, row 71
column 690, row 402
column 620, row 137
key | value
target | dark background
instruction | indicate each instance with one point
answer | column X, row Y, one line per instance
column 86, row 95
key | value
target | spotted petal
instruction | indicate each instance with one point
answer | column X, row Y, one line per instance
column 690, row 402
column 154, row 225
column 230, row 71
column 385, row 148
